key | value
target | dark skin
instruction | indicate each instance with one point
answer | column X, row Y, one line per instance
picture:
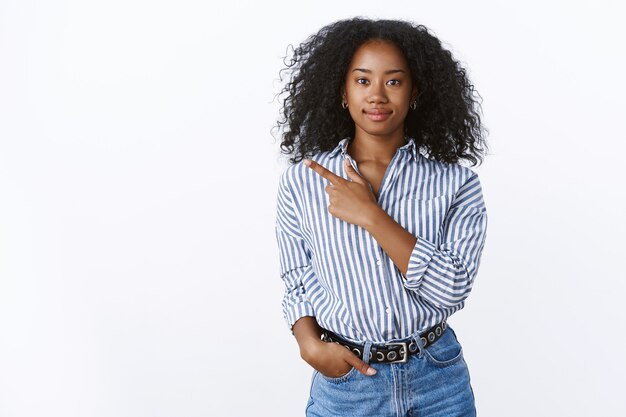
column 378, row 91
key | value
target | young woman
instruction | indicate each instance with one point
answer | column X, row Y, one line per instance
column 380, row 229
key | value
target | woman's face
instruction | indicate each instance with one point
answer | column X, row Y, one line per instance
column 378, row 89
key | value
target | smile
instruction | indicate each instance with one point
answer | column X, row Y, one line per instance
column 378, row 114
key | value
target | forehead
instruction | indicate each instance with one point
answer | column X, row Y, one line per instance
column 379, row 54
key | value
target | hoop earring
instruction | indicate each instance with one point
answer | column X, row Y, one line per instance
column 344, row 105
column 413, row 105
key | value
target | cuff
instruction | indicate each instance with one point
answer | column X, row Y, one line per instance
column 418, row 263
column 296, row 311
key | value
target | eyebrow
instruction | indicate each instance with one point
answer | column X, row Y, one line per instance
column 391, row 71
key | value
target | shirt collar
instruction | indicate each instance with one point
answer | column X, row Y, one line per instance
column 342, row 147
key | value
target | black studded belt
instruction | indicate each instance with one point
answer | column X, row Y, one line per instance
column 391, row 352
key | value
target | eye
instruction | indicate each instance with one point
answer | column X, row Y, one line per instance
column 393, row 82
column 361, row 81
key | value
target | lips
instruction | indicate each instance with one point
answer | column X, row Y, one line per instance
column 378, row 114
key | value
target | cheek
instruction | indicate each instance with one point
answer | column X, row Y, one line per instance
column 354, row 112
column 402, row 107
column 403, row 102
column 353, row 96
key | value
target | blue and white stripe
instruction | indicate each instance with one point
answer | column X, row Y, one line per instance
column 337, row 272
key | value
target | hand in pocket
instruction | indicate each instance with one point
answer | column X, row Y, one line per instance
column 333, row 360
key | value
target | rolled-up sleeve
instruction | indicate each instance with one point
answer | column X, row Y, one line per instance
column 295, row 258
column 444, row 274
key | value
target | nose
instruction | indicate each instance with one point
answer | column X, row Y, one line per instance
column 377, row 93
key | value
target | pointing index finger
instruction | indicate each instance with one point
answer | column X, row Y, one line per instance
column 329, row 175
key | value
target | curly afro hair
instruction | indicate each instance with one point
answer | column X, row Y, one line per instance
column 446, row 125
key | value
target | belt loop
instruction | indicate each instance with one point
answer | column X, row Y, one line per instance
column 416, row 338
column 367, row 351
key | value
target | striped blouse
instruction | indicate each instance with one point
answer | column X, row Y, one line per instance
column 336, row 272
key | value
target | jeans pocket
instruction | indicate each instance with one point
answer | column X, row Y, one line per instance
column 446, row 350
column 339, row 379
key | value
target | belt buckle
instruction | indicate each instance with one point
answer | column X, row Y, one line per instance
column 405, row 355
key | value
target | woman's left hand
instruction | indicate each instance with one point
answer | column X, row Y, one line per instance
column 350, row 200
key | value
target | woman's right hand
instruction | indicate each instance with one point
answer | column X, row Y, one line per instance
column 333, row 360
column 329, row 359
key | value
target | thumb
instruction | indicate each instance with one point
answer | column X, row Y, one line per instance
column 361, row 366
column 352, row 174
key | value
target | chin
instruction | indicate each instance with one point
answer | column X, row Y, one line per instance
column 379, row 130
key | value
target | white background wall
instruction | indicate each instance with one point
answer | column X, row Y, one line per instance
column 138, row 261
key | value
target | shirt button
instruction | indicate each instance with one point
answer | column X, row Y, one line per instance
column 387, row 310
column 378, row 262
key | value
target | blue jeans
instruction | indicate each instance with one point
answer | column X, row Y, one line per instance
column 434, row 382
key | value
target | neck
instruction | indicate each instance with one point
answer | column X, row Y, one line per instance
column 366, row 147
